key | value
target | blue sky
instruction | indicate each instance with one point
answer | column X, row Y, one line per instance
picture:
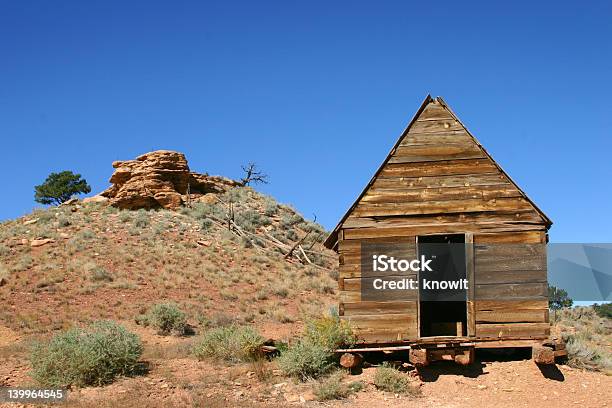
column 314, row 92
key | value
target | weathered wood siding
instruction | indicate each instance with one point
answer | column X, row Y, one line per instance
column 436, row 180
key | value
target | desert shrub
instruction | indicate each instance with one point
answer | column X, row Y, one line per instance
column 98, row 273
column 166, row 318
column 63, row 221
column 313, row 354
column 206, row 224
column 25, row 262
column 86, row 234
column 388, row 378
column 291, row 235
column 330, row 332
column 233, row 344
column 270, row 208
column 94, row 355
column 141, row 220
column 125, row 216
column 305, row 360
column 604, row 310
column 331, row 387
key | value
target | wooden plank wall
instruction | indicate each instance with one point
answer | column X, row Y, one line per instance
column 511, row 290
column 439, row 180
column 393, row 320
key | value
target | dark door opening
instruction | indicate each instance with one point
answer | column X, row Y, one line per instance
column 443, row 311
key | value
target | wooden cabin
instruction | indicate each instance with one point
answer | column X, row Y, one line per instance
column 438, row 184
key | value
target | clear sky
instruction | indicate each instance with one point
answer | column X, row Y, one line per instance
column 315, row 92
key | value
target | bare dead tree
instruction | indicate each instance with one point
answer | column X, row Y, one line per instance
column 253, row 175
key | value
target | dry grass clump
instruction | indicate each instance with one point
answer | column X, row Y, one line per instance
column 333, row 387
column 232, row 344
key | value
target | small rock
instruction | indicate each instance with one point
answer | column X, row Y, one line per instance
column 71, row 201
column 482, row 387
column 204, row 242
column 32, row 221
column 95, row 199
column 24, row 241
column 41, row 242
column 280, row 385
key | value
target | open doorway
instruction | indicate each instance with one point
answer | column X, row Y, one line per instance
column 442, row 310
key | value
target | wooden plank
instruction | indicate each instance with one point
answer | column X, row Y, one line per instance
column 470, row 275
column 442, row 168
column 469, row 219
column 535, row 330
column 373, row 308
column 437, row 207
column 433, row 153
column 361, row 233
column 435, row 111
column 505, row 305
column 512, row 291
column 355, row 284
column 395, row 321
column 346, row 296
column 463, row 180
column 532, row 237
column 509, row 257
column 370, row 336
column 491, row 277
column 441, row 194
column 516, row 316
column 437, row 138
column 437, row 125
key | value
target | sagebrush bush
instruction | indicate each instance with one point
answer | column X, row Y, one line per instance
column 313, row 354
column 388, row 378
column 166, row 318
column 305, row 360
column 329, row 331
column 233, row 344
column 332, row 387
column 95, row 355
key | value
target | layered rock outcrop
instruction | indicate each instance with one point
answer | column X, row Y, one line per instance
column 160, row 179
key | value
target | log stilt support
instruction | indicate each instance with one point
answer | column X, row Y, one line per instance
column 418, row 357
column 465, row 357
column 543, row 355
column 350, row 360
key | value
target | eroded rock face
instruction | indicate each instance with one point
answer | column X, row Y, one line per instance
column 159, row 179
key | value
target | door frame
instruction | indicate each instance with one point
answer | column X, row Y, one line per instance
column 469, row 271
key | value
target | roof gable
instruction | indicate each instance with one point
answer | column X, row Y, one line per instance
column 438, row 167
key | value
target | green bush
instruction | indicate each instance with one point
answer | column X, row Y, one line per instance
column 305, row 360
column 388, row 378
column 332, row 387
column 94, row 355
column 313, row 355
column 604, row 310
column 166, row 318
column 330, row 332
column 233, row 344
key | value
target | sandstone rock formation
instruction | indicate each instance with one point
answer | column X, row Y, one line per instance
column 160, row 179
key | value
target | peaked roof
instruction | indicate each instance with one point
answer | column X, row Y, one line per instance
column 332, row 240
